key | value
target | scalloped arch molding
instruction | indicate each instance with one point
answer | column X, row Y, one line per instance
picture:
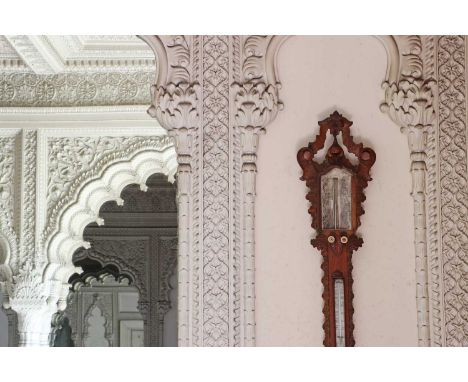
column 91, row 196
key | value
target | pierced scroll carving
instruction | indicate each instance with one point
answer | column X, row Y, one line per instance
column 337, row 181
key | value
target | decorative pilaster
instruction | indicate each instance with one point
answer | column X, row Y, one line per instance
column 215, row 95
column 175, row 104
column 30, row 299
column 409, row 91
column 33, row 299
column 256, row 105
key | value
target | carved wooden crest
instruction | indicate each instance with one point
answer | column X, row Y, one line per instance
column 336, row 195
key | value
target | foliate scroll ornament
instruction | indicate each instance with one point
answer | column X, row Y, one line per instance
column 8, row 235
column 7, row 171
column 256, row 86
column 175, row 95
column 408, row 95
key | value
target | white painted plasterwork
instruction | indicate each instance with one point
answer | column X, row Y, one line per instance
column 22, row 89
column 61, row 54
column 215, row 95
column 425, row 95
column 35, row 279
column 409, row 90
column 449, row 285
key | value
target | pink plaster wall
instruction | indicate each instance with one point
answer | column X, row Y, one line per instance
column 318, row 75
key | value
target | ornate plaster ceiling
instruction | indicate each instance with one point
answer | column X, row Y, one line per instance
column 59, row 54
column 93, row 70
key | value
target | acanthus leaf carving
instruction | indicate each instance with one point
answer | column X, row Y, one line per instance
column 256, row 104
column 410, row 102
column 33, row 301
column 175, row 105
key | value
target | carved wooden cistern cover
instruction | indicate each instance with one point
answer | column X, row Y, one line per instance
column 336, row 196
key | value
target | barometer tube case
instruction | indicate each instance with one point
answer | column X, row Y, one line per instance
column 336, row 192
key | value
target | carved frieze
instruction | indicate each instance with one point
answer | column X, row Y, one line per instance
column 75, row 89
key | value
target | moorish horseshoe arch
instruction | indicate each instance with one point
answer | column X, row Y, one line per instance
column 85, row 209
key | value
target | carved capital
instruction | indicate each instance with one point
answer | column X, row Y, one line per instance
column 175, row 105
column 409, row 103
column 34, row 302
column 256, row 104
column 410, row 86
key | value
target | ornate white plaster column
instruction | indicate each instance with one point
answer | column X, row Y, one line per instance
column 409, row 90
column 175, row 105
column 256, row 105
column 34, row 303
column 54, row 181
column 215, row 95
column 25, row 292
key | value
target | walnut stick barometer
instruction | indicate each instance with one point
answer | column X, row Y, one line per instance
column 336, row 192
